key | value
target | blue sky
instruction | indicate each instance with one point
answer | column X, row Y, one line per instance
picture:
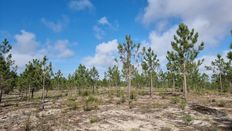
column 71, row 32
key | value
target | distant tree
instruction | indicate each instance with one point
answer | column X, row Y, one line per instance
column 94, row 76
column 128, row 53
column 46, row 76
column 218, row 67
column 58, row 77
column 7, row 70
column 149, row 64
column 185, row 52
column 81, row 77
column 113, row 75
column 172, row 67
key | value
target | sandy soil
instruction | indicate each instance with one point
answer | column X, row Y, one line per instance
column 161, row 112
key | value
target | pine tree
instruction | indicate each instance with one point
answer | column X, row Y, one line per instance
column 149, row 64
column 7, row 70
column 185, row 52
column 94, row 76
column 46, row 76
column 218, row 66
column 128, row 53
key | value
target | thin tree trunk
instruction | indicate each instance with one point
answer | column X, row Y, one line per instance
column 220, row 81
column 129, row 82
column 93, row 88
column 185, row 83
column 0, row 95
column 32, row 93
column 230, row 87
column 46, row 93
column 43, row 93
column 29, row 90
column 151, row 84
column 173, row 84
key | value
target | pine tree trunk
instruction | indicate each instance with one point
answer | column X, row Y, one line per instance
column 93, row 88
column 0, row 95
column 151, row 84
column 230, row 86
column 185, row 83
column 173, row 84
column 220, row 81
column 43, row 94
column 46, row 93
column 29, row 90
column 32, row 93
column 129, row 82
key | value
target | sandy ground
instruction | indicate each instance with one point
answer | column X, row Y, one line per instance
column 203, row 112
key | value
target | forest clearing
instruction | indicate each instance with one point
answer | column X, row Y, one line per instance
column 109, row 111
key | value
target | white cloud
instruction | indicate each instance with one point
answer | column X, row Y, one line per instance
column 56, row 26
column 104, row 57
column 80, row 5
column 26, row 42
column 27, row 48
column 62, row 49
column 105, row 54
column 211, row 18
column 104, row 21
column 103, row 26
column 98, row 32
column 161, row 43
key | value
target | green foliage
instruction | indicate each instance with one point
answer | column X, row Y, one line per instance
column 113, row 75
column 133, row 95
column 91, row 103
column 182, row 104
column 181, row 60
column 187, row 118
column 175, row 100
column 94, row 119
column 7, row 70
column 128, row 53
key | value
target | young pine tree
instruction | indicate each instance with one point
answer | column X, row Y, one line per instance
column 149, row 64
column 185, row 50
column 128, row 53
column 7, row 71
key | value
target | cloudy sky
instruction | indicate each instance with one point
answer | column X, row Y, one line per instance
column 71, row 32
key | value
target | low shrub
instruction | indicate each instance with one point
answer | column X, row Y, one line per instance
column 187, row 118
column 91, row 103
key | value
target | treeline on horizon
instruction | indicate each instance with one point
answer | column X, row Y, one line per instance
column 182, row 70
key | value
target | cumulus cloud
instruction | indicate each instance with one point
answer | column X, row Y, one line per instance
column 27, row 47
column 211, row 18
column 25, row 42
column 104, row 56
column 56, row 26
column 80, row 5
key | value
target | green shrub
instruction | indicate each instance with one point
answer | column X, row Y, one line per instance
column 187, row 118
column 175, row 100
column 85, row 92
column 72, row 105
column 94, row 119
column 182, row 104
column 91, row 103
column 133, row 95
